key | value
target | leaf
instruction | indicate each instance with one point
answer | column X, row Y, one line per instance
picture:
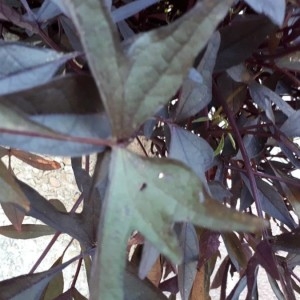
column 137, row 289
column 288, row 241
column 291, row 126
column 290, row 61
column 149, row 256
column 130, row 9
column 47, row 11
column 261, row 100
column 56, row 285
column 60, row 95
column 102, row 47
column 24, row 66
column 264, row 97
column 11, row 15
column 41, row 209
column 240, row 39
column 196, row 91
column 235, row 251
column 271, row 201
column 28, row 231
column 200, row 288
column 157, row 60
column 10, row 191
column 29, row 286
column 187, row 270
column 144, row 184
column 192, row 150
column 14, row 215
column 35, row 161
column 274, row 9
column 49, row 132
column 76, row 295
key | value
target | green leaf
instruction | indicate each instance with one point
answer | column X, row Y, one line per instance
column 28, row 231
column 149, row 195
column 10, row 191
column 157, row 60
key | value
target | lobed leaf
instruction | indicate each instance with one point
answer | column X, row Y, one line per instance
column 127, row 103
column 143, row 184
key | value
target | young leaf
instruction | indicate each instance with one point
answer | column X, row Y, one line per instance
column 196, row 89
column 274, row 9
column 28, row 231
column 24, row 67
column 29, row 286
column 10, row 191
column 152, row 194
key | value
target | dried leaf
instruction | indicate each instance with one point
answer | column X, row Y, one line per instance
column 35, row 161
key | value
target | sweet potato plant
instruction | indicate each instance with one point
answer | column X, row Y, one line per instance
column 212, row 86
